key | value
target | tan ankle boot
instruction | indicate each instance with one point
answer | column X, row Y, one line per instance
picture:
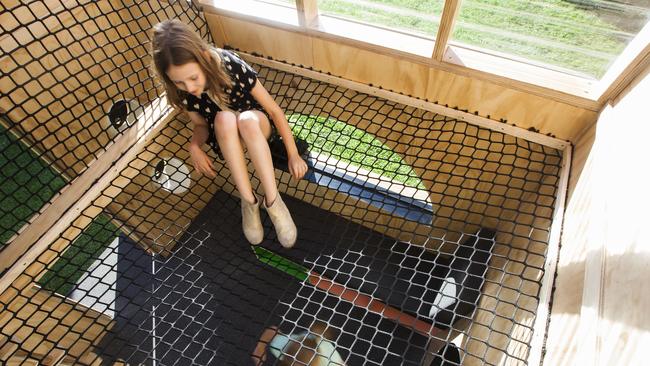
column 281, row 218
column 250, row 221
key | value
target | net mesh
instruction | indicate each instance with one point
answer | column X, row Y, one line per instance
column 422, row 239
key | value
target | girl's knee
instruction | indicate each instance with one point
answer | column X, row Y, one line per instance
column 225, row 124
column 248, row 124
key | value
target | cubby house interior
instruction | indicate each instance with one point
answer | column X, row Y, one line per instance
column 466, row 203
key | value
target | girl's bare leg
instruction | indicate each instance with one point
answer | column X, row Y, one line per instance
column 255, row 128
column 225, row 124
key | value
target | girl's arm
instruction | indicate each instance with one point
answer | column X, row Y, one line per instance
column 297, row 166
column 201, row 161
column 199, row 129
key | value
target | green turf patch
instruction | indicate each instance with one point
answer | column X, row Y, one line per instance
column 79, row 256
column 352, row 145
column 27, row 184
column 281, row 263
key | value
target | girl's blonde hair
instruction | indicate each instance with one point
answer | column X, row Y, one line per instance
column 174, row 43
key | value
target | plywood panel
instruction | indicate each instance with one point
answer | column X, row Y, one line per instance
column 370, row 67
column 512, row 106
column 216, row 30
column 62, row 74
column 581, row 157
column 599, row 314
column 255, row 38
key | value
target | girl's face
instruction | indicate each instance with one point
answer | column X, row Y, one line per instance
column 188, row 77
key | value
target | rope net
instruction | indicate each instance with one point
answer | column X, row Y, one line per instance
column 422, row 239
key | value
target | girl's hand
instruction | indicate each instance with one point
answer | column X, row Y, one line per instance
column 201, row 161
column 297, row 166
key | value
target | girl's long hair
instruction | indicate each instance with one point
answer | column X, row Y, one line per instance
column 174, row 43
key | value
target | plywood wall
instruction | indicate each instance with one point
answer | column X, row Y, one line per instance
column 600, row 307
column 66, row 63
column 498, row 100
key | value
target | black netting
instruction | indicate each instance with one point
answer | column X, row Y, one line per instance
column 422, row 239
column 64, row 66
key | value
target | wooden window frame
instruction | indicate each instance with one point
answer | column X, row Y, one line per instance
column 503, row 69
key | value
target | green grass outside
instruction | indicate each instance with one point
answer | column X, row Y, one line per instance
column 482, row 22
column 79, row 256
column 350, row 144
column 27, row 184
column 380, row 17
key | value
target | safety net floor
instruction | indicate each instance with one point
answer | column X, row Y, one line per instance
column 423, row 239
column 209, row 302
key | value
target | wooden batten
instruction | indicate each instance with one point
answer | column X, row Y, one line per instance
column 447, row 19
column 307, row 12
column 542, row 310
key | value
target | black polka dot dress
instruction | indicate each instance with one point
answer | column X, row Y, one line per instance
column 243, row 79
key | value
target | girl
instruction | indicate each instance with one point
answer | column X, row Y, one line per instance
column 229, row 109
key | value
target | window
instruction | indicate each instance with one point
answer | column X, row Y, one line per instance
column 580, row 36
column 289, row 3
column 548, row 46
column 416, row 17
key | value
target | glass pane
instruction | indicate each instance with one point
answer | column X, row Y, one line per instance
column 584, row 36
column 415, row 17
column 288, row 3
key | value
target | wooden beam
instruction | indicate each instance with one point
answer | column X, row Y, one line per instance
column 307, row 12
column 540, row 327
column 630, row 64
column 447, row 19
column 414, row 102
column 69, row 204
